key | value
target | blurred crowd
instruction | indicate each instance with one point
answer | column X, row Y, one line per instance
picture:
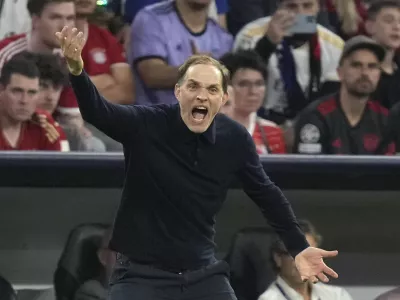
column 306, row 77
column 292, row 84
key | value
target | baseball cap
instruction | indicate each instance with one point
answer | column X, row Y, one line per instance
column 363, row 42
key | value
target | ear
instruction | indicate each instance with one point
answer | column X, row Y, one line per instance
column 278, row 260
column 339, row 71
column 177, row 91
column 225, row 98
column 231, row 94
column 34, row 20
column 369, row 27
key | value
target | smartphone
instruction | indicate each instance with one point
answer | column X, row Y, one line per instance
column 304, row 24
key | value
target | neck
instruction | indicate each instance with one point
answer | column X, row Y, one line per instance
column 241, row 118
column 353, row 107
column 36, row 44
column 388, row 64
column 303, row 288
column 8, row 124
column 196, row 20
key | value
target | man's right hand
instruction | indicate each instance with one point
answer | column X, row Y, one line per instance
column 71, row 43
column 279, row 25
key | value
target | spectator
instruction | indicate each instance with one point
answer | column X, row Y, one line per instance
column 53, row 78
column 6, row 290
column 248, row 76
column 96, row 287
column 347, row 122
column 22, row 126
column 48, row 16
column 288, row 284
column 157, row 54
column 383, row 25
column 347, row 17
column 14, row 18
column 301, row 67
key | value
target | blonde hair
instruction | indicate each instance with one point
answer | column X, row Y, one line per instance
column 204, row 60
column 348, row 15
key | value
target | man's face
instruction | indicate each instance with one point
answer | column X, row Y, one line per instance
column 49, row 95
column 359, row 73
column 306, row 7
column 200, row 96
column 19, row 98
column 385, row 28
column 249, row 90
column 85, row 7
column 287, row 266
column 53, row 19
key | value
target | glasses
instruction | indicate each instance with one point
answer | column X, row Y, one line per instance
column 247, row 84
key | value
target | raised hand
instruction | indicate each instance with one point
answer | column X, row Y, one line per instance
column 311, row 266
column 279, row 25
column 72, row 43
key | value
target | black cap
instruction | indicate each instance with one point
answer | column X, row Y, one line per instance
column 363, row 42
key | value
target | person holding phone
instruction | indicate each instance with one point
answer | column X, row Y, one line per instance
column 301, row 55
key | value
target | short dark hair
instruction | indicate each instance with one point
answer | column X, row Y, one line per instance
column 204, row 60
column 18, row 65
column 6, row 290
column 377, row 5
column 50, row 67
column 36, row 7
column 278, row 247
column 244, row 59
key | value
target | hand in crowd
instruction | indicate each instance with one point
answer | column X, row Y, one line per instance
column 72, row 43
column 279, row 25
column 51, row 132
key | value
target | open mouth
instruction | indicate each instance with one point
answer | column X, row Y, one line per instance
column 199, row 113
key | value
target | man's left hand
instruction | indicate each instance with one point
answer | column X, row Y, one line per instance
column 311, row 266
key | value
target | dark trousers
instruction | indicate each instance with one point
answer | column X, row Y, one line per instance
column 133, row 281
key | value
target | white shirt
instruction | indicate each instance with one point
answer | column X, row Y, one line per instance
column 319, row 291
column 331, row 50
column 14, row 18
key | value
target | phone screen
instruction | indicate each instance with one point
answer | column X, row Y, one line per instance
column 304, row 24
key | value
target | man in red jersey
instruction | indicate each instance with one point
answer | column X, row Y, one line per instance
column 22, row 126
column 53, row 78
column 348, row 122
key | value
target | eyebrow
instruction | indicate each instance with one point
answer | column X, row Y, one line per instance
column 198, row 83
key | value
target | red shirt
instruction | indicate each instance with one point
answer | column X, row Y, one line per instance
column 102, row 50
column 33, row 137
column 267, row 136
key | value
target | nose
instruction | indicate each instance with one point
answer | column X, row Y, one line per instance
column 203, row 95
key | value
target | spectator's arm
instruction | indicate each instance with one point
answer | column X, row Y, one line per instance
column 310, row 134
column 149, row 52
column 334, row 52
column 265, row 48
column 118, row 85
